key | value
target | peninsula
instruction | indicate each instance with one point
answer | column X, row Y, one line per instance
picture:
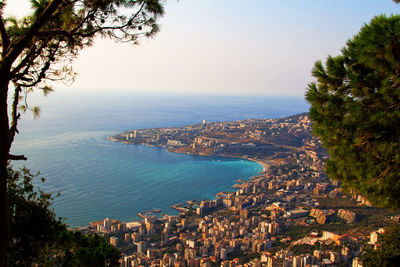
column 261, row 140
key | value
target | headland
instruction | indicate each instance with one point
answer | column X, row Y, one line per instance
column 260, row 140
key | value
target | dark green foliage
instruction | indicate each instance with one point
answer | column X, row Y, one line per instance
column 38, row 237
column 388, row 253
column 355, row 109
column 40, row 48
column 303, row 249
column 76, row 249
column 33, row 224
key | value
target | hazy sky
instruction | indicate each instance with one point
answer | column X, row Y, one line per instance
column 253, row 47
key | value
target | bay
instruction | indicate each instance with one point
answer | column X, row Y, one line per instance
column 98, row 178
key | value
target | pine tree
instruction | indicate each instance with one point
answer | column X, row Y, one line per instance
column 41, row 46
column 355, row 109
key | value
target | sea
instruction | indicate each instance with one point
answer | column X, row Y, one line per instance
column 98, row 178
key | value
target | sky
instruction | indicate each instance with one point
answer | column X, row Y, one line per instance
column 225, row 47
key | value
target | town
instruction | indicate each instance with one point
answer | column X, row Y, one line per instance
column 289, row 215
column 253, row 138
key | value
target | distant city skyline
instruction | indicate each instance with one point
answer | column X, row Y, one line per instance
column 225, row 47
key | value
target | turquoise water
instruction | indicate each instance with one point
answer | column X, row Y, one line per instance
column 98, row 178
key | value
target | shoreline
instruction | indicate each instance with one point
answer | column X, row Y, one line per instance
column 231, row 189
column 265, row 165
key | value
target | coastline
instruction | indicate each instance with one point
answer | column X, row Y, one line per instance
column 87, row 187
column 178, row 211
column 210, row 195
column 255, row 140
column 265, row 165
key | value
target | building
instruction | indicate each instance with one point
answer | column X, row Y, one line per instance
column 294, row 214
column 347, row 215
column 375, row 236
column 141, row 247
column 114, row 241
column 107, row 224
column 356, row 263
column 134, row 226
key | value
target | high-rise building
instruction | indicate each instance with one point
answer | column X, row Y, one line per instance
column 142, row 230
column 135, row 237
column 141, row 247
column 127, row 238
column 184, row 223
column 164, row 236
column 190, row 253
column 107, row 224
column 223, row 253
column 244, row 213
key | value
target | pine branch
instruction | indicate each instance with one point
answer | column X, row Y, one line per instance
column 14, row 115
column 27, row 60
column 40, row 75
column 76, row 33
column 36, row 26
column 16, row 157
column 5, row 40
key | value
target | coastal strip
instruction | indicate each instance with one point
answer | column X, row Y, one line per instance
column 291, row 207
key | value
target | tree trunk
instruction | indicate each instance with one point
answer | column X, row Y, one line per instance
column 4, row 150
column 4, row 222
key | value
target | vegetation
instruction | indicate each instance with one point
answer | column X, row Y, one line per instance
column 303, row 249
column 40, row 48
column 242, row 256
column 355, row 109
column 33, row 224
column 388, row 253
column 38, row 237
